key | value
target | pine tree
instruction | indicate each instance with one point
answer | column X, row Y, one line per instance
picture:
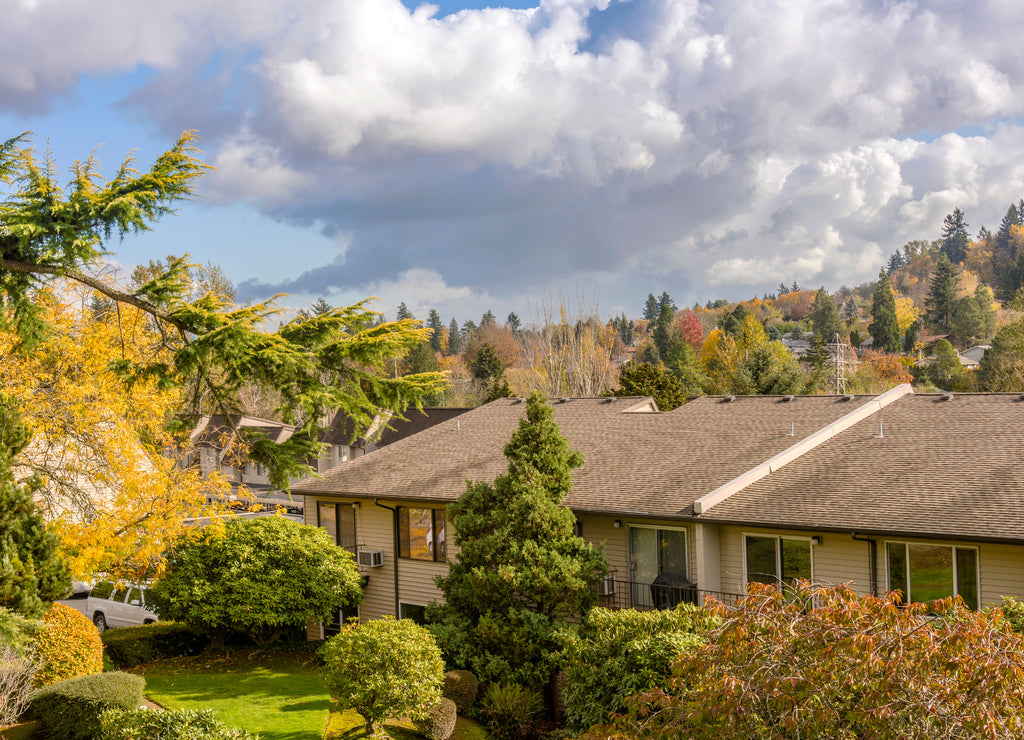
column 320, row 307
column 825, row 316
column 454, row 345
column 941, row 298
column 641, row 379
column 32, row 572
column 488, row 319
column 651, row 308
column 955, row 238
column 666, row 301
column 521, row 573
column 486, row 365
column 434, row 324
column 513, row 322
column 403, row 312
column 968, row 324
column 665, row 331
column 884, row 329
column 896, row 261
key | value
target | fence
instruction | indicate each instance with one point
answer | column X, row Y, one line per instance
column 622, row 594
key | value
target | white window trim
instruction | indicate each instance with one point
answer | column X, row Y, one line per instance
column 629, row 544
column 954, row 547
column 778, row 551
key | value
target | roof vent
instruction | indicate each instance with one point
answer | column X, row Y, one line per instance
column 727, row 399
column 947, row 396
column 881, row 433
column 787, row 399
column 564, row 400
column 610, row 399
column 518, row 400
column 848, row 397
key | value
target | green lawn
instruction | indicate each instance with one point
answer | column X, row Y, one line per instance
column 277, row 695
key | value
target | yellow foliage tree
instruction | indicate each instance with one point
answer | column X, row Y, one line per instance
column 906, row 312
column 749, row 363
column 112, row 496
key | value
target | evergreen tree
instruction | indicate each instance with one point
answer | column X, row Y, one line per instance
column 32, row 572
column 986, row 304
column 488, row 319
column 955, row 238
column 946, row 368
column 663, row 329
column 647, row 353
column 732, row 322
column 941, row 298
column 486, row 364
column 468, row 333
column 499, row 388
column 896, row 261
column 651, row 308
column 910, row 338
column 435, row 325
column 513, row 322
column 641, row 379
column 404, row 312
column 522, row 573
column 1002, row 367
column 666, row 301
column 454, row 345
column 884, row 329
column 320, row 307
column 421, row 359
column 968, row 322
column 825, row 316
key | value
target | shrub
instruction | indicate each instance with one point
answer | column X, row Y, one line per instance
column 384, row 668
column 257, row 576
column 461, row 688
column 1013, row 612
column 131, row 646
column 17, row 673
column 618, row 653
column 181, row 724
column 70, row 710
column 17, row 631
column 68, row 646
column 833, row 664
column 439, row 723
column 511, row 710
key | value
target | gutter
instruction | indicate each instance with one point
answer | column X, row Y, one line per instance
column 394, row 554
column 872, row 562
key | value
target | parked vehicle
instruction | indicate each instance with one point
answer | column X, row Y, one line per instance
column 122, row 606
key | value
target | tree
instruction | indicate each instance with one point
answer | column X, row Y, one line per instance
column 884, row 329
column 665, row 330
column 326, row 362
column 203, row 279
column 384, row 668
column 946, row 369
column 986, row 304
column 488, row 319
column 641, row 379
column 403, row 312
column 955, row 238
column 968, row 321
column 98, row 450
column 513, row 322
column 521, row 572
column 486, row 365
column 691, row 329
column 651, row 308
column 941, row 299
column 435, row 326
column 32, row 571
column 896, row 261
column 256, row 576
column 1002, row 367
column 825, row 316
column 824, row 662
column 748, row 363
column 454, row 345
column 320, row 307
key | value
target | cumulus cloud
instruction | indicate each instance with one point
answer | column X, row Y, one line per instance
column 661, row 143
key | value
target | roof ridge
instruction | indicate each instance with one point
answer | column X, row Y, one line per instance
column 708, row 500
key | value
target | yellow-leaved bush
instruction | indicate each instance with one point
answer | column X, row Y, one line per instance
column 68, row 646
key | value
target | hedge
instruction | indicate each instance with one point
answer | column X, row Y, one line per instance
column 128, row 647
column 70, row 710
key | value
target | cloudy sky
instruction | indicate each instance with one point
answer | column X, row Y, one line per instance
column 471, row 158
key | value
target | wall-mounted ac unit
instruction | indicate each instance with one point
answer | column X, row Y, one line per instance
column 370, row 558
column 607, row 585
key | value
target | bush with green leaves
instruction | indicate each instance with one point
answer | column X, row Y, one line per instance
column 1013, row 612
column 180, row 724
column 460, row 686
column 128, row 647
column 511, row 710
column 17, row 631
column 67, row 647
column 831, row 663
column 384, row 668
column 70, row 710
column 439, row 723
column 256, row 576
column 619, row 653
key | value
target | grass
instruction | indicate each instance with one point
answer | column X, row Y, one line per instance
column 276, row 695
column 18, row 732
column 347, row 724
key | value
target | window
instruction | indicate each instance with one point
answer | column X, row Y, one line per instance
column 654, row 552
column 339, row 521
column 421, row 534
column 775, row 560
column 415, row 612
column 340, row 618
column 925, row 572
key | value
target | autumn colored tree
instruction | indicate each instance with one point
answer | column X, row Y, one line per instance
column 690, row 329
column 749, row 363
column 879, row 371
column 884, row 329
column 825, row 662
column 521, row 572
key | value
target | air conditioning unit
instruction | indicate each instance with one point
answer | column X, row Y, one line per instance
column 607, row 585
column 370, row 558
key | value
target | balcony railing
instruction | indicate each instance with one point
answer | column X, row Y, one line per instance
column 621, row 594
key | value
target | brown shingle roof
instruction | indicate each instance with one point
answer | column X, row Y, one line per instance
column 655, row 464
column 942, row 468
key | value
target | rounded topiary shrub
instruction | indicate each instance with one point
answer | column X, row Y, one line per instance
column 128, row 647
column 439, row 724
column 180, row 724
column 68, row 646
column 70, row 710
column 461, row 688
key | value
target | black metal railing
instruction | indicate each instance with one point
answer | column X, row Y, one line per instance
column 614, row 593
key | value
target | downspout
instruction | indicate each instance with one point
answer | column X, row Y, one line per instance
column 394, row 556
column 873, row 563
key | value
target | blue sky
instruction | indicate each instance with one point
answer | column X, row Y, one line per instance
column 500, row 158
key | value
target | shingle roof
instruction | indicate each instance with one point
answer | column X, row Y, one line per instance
column 941, row 468
column 654, row 464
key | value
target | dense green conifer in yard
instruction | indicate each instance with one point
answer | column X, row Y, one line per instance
column 884, row 329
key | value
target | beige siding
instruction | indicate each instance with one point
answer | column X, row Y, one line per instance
column 601, row 531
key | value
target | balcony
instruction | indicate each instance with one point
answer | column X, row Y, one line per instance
column 615, row 593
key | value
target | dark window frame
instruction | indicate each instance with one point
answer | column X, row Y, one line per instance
column 437, row 546
column 779, row 575
column 342, row 514
column 956, row 577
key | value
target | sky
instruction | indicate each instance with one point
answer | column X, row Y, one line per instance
column 470, row 158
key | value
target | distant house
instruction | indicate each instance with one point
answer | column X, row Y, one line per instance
column 972, row 357
column 922, row 493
